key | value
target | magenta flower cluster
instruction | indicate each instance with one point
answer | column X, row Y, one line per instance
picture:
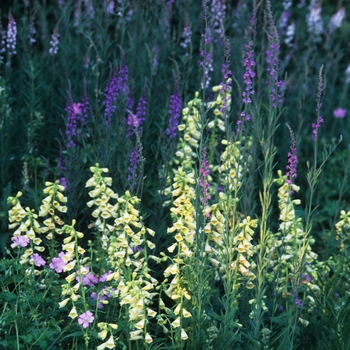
column 175, row 105
column 339, row 113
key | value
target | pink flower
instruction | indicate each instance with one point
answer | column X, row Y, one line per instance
column 339, row 113
column 38, row 260
column 57, row 264
column 21, row 241
column 77, row 108
column 86, row 318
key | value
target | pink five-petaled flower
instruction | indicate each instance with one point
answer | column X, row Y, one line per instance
column 21, row 241
column 57, row 264
column 339, row 113
column 86, row 318
column 37, row 260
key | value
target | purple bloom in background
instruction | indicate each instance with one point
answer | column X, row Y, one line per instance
column 306, row 279
column 226, row 84
column 272, row 60
column 292, row 158
column 57, row 264
column 86, row 318
column 38, row 260
column 76, row 115
column 186, row 36
column 118, row 83
column 207, row 64
column 2, row 43
column 135, row 159
column 104, row 277
column 315, row 127
column 134, row 121
column 298, row 303
column 175, row 104
column 109, row 6
column 339, row 113
column 249, row 74
column 87, row 280
column 336, row 20
column 11, row 35
column 98, row 298
column 217, row 16
column 21, row 241
column 54, row 42
column 32, row 31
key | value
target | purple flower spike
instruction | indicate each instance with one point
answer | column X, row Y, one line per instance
column 135, row 159
column 174, row 111
column 292, row 158
column 339, row 113
column 135, row 121
column 11, row 35
column 54, row 42
column 37, row 260
column 86, row 318
column 315, row 127
column 117, row 84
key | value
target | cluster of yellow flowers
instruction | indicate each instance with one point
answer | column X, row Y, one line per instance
column 232, row 237
column 27, row 227
column 291, row 258
column 184, row 216
column 222, row 102
column 124, row 239
column 50, row 206
column 343, row 228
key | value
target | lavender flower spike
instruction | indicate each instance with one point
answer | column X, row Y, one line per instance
column 118, row 83
column 174, row 111
column 11, row 36
column 54, row 42
column 292, row 158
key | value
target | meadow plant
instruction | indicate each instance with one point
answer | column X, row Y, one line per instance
column 141, row 201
